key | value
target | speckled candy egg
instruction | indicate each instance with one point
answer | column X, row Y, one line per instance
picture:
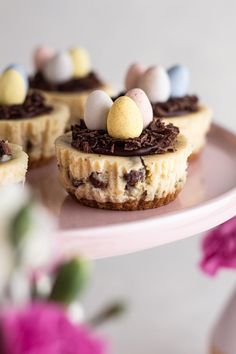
column 81, row 62
column 42, row 55
column 59, row 68
column 155, row 83
column 143, row 103
column 179, row 79
column 133, row 74
column 96, row 110
column 19, row 68
column 124, row 119
column 12, row 87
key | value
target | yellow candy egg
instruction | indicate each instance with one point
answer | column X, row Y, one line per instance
column 12, row 88
column 81, row 62
column 124, row 119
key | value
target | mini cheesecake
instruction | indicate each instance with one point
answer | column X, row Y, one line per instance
column 13, row 164
column 190, row 116
column 34, row 125
column 134, row 174
column 167, row 91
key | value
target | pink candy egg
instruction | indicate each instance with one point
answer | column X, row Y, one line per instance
column 143, row 103
column 155, row 83
column 42, row 55
column 133, row 74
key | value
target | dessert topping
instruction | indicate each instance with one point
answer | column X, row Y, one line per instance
column 179, row 78
column 176, row 106
column 155, row 83
column 81, row 62
column 34, row 105
column 143, row 103
column 59, row 68
column 124, row 119
column 157, row 138
column 133, row 74
column 42, row 55
column 13, row 86
column 96, row 110
column 158, row 83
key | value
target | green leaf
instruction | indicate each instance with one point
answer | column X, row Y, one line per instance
column 21, row 224
column 70, row 280
column 111, row 311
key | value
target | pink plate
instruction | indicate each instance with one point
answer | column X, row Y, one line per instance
column 208, row 199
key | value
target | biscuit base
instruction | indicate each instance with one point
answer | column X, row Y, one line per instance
column 215, row 351
column 131, row 205
column 195, row 155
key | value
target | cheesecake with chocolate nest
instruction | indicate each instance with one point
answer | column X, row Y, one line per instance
column 168, row 93
column 142, row 172
column 192, row 117
column 34, row 125
column 13, row 164
column 63, row 83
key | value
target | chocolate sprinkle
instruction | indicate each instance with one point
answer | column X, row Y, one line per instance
column 4, row 149
column 33, row 106
column 157, row 138
column 177, row 106
column 91, row 81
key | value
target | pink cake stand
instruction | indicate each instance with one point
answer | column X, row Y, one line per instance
column 208, row 199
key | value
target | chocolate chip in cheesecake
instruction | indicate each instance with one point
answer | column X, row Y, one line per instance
column 29, row 146
column 98, row 180
column 4, row 149
column 77, row 182
column 133, row 177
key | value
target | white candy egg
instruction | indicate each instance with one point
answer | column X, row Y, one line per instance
column 96, row 110
column 143, row 103
column 155, row 83
column 59, row 68
column 133, row 74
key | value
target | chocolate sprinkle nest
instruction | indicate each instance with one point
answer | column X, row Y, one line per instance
column 4, row 149
column 176, row 106
column 91, row 81
column 157, row 138
column 33, row 106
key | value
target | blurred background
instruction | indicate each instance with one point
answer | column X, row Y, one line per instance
column 172, row 306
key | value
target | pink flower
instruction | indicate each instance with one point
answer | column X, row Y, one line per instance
column 219, row 248
column 42, row 328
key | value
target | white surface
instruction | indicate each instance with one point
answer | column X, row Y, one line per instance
column 172, row 306
column 224, row 334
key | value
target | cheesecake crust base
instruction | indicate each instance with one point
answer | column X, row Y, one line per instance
column 132, row 205
column 215, row 351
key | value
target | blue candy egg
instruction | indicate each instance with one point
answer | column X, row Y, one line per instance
column 179, row 79
column 19, row 68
